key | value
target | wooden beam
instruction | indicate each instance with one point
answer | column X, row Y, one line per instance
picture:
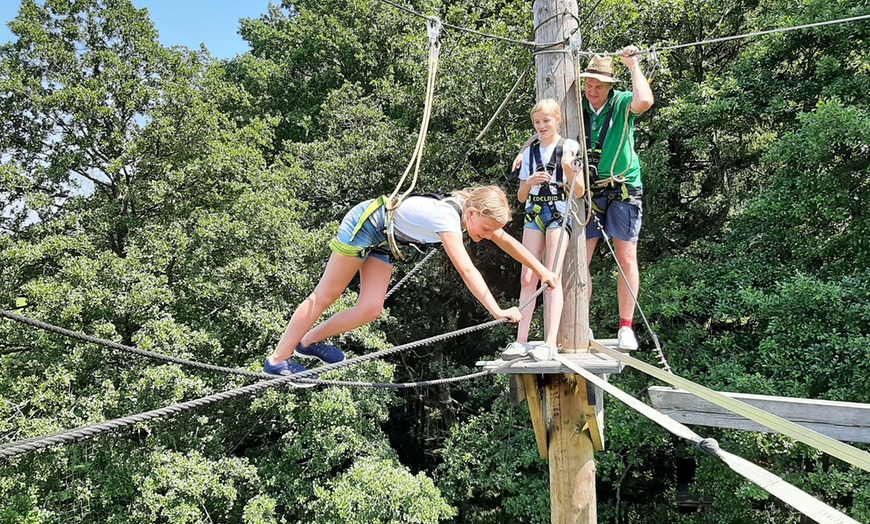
column 536, row 410
column 572, row 459
column 595, row 414
column 844, row 421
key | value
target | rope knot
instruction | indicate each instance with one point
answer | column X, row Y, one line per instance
column 709, row 445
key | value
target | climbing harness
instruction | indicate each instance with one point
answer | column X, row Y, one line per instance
column 613, row 187
column 377, row 214
column 548, row 194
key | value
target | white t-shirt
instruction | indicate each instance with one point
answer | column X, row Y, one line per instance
column 419, row 219
column 546, row 153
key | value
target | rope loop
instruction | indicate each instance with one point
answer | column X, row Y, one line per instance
column 433, row 29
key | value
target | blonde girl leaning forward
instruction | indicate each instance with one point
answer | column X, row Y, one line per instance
column 546, row 175
column 361, row 247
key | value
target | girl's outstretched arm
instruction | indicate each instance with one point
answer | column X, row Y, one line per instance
column 455, row 249
column 518, row 252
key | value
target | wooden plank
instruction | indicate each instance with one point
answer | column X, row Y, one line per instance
column 595, row 362
column 595, row 414
column 536, row 410
column 516, row 389
column 844, row 421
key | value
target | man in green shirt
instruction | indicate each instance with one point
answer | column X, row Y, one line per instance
column 609, row 116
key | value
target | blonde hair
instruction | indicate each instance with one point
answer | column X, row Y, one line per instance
column 549, row 106
column 489, row 201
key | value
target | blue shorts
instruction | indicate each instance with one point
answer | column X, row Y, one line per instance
column 368, row 237
column 546, row 217
column 621, row 219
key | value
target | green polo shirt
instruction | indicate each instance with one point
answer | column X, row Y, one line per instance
column 619, row 142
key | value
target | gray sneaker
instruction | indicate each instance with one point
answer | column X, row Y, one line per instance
column 543, row 352
column 514, row 351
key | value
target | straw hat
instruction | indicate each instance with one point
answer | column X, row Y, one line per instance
column 600, row 68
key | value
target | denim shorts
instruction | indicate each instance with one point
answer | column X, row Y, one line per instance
column 369, row 235
column 546, row 216
column 621, row 219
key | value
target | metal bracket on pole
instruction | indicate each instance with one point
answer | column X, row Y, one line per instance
column 575, row 39
column 433, row 29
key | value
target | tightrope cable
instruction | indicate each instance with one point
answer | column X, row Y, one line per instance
column 13, row 449
column 208, row 367
column 735, row 37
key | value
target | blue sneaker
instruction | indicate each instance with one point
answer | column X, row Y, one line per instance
column 323, row 352
column 287, row 367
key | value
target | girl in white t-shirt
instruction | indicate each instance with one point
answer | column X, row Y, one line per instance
column 546, row 174
column 359, row 248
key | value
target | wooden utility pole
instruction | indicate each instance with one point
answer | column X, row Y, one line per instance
column 567, row 414
column 570, row 418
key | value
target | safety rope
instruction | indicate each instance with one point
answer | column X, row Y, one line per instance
column 587, row 196
column 433, row 29
column 397, row 385
column 767, row 32
column 660, row 354
column 13, row 449
column 524, row 43
column 845, row 452
column 128, row 349
column 410, row 273
column 736, row 37
column 209, row 367
column 544, row 46
column 488, row 124
column 791, row 495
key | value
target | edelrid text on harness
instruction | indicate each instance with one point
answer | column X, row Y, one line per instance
column 548, row 194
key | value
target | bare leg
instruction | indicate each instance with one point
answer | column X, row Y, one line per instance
column 554, row 297
column 374, row 279
column 626, row 254
column 534, row 241
column 339, row 271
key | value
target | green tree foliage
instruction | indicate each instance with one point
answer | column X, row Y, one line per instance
column 158, row 198
column 169, row 233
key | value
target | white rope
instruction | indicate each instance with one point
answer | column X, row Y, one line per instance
column 791, row 495
column 433, row 28
column 844, row 452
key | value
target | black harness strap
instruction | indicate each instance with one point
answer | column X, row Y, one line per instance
column 595, row 150
column 550, row 193
column 555, row 163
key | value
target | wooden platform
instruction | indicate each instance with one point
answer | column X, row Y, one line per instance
column 597, row 363
column 844, row 421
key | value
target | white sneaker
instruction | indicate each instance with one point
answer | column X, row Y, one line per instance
column 514, row 351
column 543, row 352
column 625, row 339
